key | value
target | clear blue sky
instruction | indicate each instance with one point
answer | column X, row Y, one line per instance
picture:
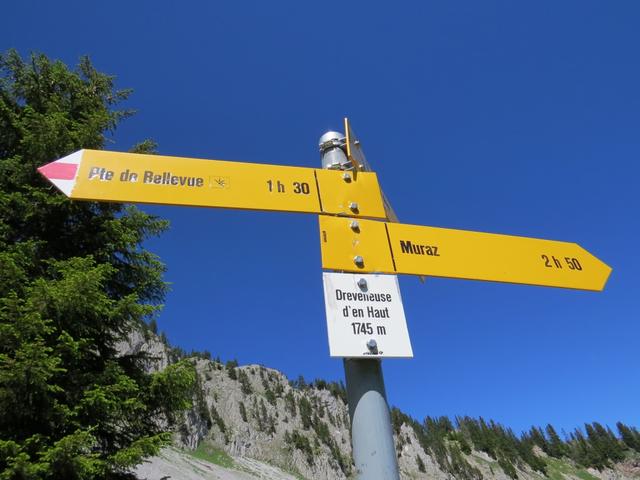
column 497, row 116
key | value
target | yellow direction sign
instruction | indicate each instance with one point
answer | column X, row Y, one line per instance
column 128, row 177
column 372, row 246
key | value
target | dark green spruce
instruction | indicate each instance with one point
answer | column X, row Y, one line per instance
column 74, row 281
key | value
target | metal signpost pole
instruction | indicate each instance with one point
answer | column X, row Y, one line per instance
column 374, row 451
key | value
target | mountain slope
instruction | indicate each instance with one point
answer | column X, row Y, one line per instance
column 254, row 423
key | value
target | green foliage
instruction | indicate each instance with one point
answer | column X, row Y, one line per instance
column 300, row 442
column 201, row 404
column 460, row 467
column 322, row 430
column 264, row 415
column 255, row 412
column 73, row 282
column 153, row 326
column 278, row 389
column 212, row 454
column 270, row 396
column 555, row 446
column 290, row 403
column 324, row 436
column 304, row 406
column 231, row 369
column 338, row 390
column 266, row 422
column 243, row 411
column 299, row 384
column 507, row 467
column 217, row 419
column 525, row 450
column 204, row 355
column 245, row 384
column 398, row 417
column 442, row 441
column 536, row 435
column 320, row 384
column 630, row 436
column 597, row 447
column 499, row 443
column 331, row 418
column 561, row 470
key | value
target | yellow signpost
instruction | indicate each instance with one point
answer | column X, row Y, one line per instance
column 383, row 247
column 354, row 244
column 129, row 177
column 441, row 252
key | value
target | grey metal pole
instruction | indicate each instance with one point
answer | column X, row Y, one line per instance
column 374, row 452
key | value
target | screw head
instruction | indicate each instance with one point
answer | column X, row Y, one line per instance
column 358, row 260
column 346, row 177
column 362, row 283
column 372, row 345
column 355, row 226
column 353, row 206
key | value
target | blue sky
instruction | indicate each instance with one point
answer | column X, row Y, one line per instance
column 497, row 116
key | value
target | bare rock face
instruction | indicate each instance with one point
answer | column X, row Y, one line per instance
column 630, row 468
column 192, row 430
column 145, row 342
column 254, row 412
column 409, row 450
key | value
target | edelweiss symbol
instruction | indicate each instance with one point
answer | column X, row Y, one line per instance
column 219, row 182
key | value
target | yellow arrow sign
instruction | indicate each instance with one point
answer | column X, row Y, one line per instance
column 129, row 177
column 412, row 249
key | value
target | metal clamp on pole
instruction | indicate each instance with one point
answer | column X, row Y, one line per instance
column 332, row 151
column 374, row 452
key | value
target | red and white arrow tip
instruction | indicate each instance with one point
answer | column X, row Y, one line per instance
column 63, row 173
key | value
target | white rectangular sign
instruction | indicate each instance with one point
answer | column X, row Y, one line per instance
column 365, row 316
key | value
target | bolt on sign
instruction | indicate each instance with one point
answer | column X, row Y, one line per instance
column 365, row 316
column 129, row 177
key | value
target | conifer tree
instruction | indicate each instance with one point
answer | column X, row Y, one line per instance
column 245, row 384
column 74, row 281
column 243, row 411
column 630, row 436
column 290, row 403
column 555, row 446
column 304, row 406
column 538, row 438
